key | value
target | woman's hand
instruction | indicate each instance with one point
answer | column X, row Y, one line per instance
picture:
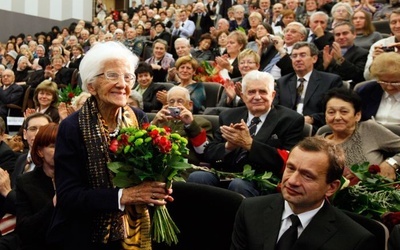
column 28, row 112
column 387, row 171
column 162, row 96
column 148, row 192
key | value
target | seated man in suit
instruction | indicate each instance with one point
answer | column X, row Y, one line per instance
column 7, row 156
column 317, row 33
column 145, row 86
column 313, row 171
column 58, row 72
column 381, row 98
column 177, row 115
column 10, row 93
column 258, row 134
column 304, row 89
column 344, row 58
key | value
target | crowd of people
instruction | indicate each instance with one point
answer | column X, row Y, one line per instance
column 284, row 64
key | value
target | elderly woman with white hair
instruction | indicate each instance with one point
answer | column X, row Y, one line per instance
column 90, row 209
column 341, row 12
column 21, row 69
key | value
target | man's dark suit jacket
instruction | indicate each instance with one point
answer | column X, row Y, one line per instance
column 7, row 157
column 318, row 85
column 352, row 67
column 258, row 222
column 63, row 76
column 320, row 42
column 150, row 102
column 12, row 95
column 371, row 94
column 282, row 129
column 205, row 22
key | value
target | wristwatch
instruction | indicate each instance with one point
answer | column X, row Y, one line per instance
column 393, row 163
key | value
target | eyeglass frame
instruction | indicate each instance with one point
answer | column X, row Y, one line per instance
column 246, row 62
column 33, row 129
column 132, row 76
column 300, row 55
column 389, row 83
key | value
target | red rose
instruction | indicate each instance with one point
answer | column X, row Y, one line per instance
column 167, row 129
column 71, row 95
column 374, row 169
column 124, row 139
column 391, row 219
column 145, row 125
column 164, row 145
column 153, row 134
column 114, row 146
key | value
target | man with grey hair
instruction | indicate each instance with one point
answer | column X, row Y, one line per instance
column 222, row 25
column 258, row 134
column 317, row 33
column 177, row 114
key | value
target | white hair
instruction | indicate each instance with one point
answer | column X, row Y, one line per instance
column 93, row 62
column 256, row 75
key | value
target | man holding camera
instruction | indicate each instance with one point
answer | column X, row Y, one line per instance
column 385, row 44
column 177, row 115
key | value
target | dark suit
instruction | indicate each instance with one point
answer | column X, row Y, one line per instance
column 35, row 194
column 150, row 102
column 282, row 129
column 352, row 67
column 63, row 76
column 319, row 83
column 7, row 157
column 371, row 94
column 320, row 42
column 258, row 222
column 12, row 95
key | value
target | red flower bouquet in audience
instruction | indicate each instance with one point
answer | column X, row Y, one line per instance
column 369, row 194
column 207, row 72
column 150, row 153
column 68, row 93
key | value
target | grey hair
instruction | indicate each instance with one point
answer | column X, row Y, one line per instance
column 256, row 75
column 319, row 13
column 137, row 97
column 93, row 62
column 346, row 5
column 184, row 40
column 187, row 94
column 302, row 29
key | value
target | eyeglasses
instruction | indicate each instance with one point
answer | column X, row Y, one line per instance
column 246, row 62
column 113, row 76
column 301, row 55
column 389, row 83
column 33, row 129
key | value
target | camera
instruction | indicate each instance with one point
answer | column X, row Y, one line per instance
column 174, row 111
column 387, row 49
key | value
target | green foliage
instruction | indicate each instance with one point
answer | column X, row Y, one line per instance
column 68, row 93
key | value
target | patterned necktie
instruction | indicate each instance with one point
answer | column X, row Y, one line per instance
column 289, row 237
column 253, row 125
column 299, row 91
column 27, row 164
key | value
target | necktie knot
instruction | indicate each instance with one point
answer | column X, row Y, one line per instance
column 289, row 237
column 253, row 125
column 295, row 220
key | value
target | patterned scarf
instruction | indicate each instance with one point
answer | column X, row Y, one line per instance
column 108, row 226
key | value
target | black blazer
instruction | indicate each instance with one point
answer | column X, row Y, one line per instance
column 352, row 67
column 150, row 102
column 258, row 222
column 63, row 76
column 282, row 129
column 326, row 39
column 318, row 85
column 371, row 94
column 7, row 157
column 35, row 192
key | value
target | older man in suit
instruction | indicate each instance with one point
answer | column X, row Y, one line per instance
column 10, row 93
column 344, row 58
column 312, row 173
column 258, row 134
column 304, row 89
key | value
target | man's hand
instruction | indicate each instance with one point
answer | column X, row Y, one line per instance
column 237, row 135
column 318, row 31
column 5, row 183
column 162, row 96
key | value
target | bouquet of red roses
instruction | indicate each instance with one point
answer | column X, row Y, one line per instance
column 208, row 73
column 150, row 153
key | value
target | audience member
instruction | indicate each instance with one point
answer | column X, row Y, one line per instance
column 258, row 134
column 203, row 51
column 299, row 216
column 76, row 57
column 160, row 32
column 177, row 115
column 202, row 21
column 10, row 93
column 58, row 72
column 35, row 192
column 365, row 141
column 381, row 98
column 365, row 30
column 344, row 58
column 317, row 33
column 183, row 27
column 311, row 6
column 385, row 12
column 385, row 44
column 145, row 87
column 160, row 61
column 341, row 12
column 21, row 70
column 303, row 90
column 7, row 156
column 255, row 19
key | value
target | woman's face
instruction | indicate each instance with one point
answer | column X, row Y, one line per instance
column 340, row 116
column 57, row 64
column 247, row 64
column 139, row 30
column 311, row 5
column 287, row 19
column 223, row 40
column 186, row 71
column 45, row 99
column 76, row 52
column 159, row 28
column 112, row 93
column 359, row 20
column 159, row 51
column 341, row 13
column 261, row 31
column 56, row 51
column 205, row 44
column 233, row 46
column 47, row 154
column 385, row 82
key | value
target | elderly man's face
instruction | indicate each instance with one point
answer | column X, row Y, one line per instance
column 258, row 97
column 178, row 98
column 182, row 49
column 7, row 77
